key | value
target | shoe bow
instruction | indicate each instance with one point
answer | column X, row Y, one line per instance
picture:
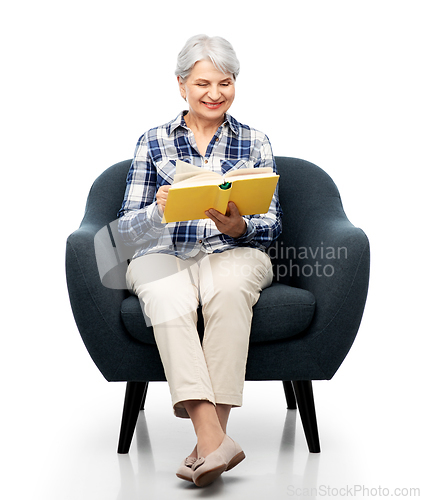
column 189, row 462
column 200, row 461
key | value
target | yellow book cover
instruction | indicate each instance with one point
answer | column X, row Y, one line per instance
column 195, row 190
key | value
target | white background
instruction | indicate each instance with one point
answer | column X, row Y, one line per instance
column 333, row 82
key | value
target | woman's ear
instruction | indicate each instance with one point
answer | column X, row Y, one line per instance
column 181, row 87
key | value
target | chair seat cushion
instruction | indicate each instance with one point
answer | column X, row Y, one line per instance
column 281, row 312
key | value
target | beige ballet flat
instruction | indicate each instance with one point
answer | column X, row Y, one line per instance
column 228, row 455
column 185, row 470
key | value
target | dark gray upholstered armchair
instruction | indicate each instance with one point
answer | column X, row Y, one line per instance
column 303, row 325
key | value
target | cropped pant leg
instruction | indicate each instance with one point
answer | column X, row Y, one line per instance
column 168, row 293
column 228, row 294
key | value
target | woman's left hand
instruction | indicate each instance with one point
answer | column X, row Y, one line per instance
column 231, row 224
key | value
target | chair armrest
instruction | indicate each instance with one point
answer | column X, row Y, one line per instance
column 96, row 308
column 331, row 259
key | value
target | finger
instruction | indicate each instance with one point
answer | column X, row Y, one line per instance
column 164, row 189
column 233, row 210
column 211, row 217
column 215, row 215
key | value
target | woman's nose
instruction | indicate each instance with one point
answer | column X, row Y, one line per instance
column 214, row 93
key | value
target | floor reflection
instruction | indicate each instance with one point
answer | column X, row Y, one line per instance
column 133, row 481
column 290, row 480
column 143, row 444
column 130, row 486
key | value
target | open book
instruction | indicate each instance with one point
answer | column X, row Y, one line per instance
column 195, row 190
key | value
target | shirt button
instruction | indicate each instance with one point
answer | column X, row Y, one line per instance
column 206, row 161
column 200, row 241
column 217, row 139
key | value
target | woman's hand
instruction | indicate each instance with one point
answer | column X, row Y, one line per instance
column 231, row 224
column 161, row 197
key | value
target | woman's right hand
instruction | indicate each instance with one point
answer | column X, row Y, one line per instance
column 161, row 197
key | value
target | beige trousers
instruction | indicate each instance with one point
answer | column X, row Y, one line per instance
column 227, row 285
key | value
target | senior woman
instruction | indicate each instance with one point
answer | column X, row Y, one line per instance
column 218, row 262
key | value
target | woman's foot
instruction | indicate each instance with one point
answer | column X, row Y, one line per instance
column 206, row 469
column 207, row 426
column 185, row 470
column 210, row 438
column 193, row 454
column 208, row 445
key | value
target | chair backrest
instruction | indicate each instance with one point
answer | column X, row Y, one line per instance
column 302, row 187
column 309, row 198
column 106, row 195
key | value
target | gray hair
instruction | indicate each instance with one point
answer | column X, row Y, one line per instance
column 216, row 49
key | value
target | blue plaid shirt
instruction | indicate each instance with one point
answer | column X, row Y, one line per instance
column 233, row 146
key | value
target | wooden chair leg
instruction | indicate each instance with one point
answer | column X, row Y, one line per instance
column 145, row 390
column 134, row 401
column 304, row 394
column 289, row 395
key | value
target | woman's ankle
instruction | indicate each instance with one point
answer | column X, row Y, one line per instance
column 209, row 442
column 206, row 425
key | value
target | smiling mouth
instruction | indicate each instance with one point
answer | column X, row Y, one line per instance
column 212, row 105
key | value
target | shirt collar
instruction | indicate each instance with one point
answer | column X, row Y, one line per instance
column 232, row 122
column 179, row 122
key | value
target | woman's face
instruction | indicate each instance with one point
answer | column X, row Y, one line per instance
column 208, row 91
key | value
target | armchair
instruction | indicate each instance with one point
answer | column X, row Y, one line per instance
column 303, row 325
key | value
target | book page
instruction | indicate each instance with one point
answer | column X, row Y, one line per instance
column 241, row 172
column 185, row 171
column 205, row 179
